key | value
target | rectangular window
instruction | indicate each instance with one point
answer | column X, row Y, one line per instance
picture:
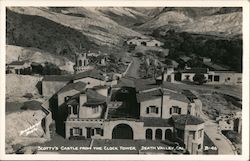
column 154, row 109
column 170, row 111
column 200, row 133
column 95, row 109
column 92, row 132
column 199, row 146
column 66, row 98
column 192, row 133
column 176, row 109
column 179, row 111
column 101, row 132
column 71, row 132
column 147, row 111
column 76, row 131
column 69, row 109
column 216, row 78
column 74, row 110
column 98, row 131
column 210, row 78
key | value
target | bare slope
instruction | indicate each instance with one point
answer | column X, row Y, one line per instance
column 215, row 21
column 38, row 56
column 88, row 24
column 19, row 85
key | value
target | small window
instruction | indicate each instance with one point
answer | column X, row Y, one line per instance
column 199, row 146
column 77, row 131
column 192, row 133
column 170, row 111
column 98, row 131
column 69, row 109
column 216, row 78
column 154, row 109
column 92, row 132
column 74, row 110
column 176, row 109
column 95, row 109
column 71, row 132
column 147, row 110
column 200, row 133
column 210, row 77
column 66, row 98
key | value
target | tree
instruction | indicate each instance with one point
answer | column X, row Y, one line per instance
column 199, row 78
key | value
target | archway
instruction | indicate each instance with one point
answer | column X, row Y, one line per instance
column 158, row 134
column 122, row 131
column 149, row 134
column 80, row 63
column 168, row 134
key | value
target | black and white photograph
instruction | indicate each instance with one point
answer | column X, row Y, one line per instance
column 138, row 80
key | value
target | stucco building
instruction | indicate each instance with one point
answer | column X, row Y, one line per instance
column 138, row 41
column 90, row 105
column 132, row 109
column 15, row 67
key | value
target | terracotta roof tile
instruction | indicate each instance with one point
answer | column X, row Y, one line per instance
column 91, row 73
column 62, row 78
column 79, row 86
column 187, row 119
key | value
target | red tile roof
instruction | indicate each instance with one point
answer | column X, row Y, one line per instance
column 17, row 63
column 62, row 78
column 91, row 73
column 78, row 86
column 156, row 122
column 187, row 120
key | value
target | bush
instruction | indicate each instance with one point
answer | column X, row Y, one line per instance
column 199, row 79
column 28, row 95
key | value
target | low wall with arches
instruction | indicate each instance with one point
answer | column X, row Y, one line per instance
column 158, row 133
column 135, row 125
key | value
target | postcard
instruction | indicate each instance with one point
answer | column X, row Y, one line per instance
column 122, row 80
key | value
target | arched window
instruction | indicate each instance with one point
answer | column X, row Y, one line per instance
column 158, row 134
column 80, row 62
column 168, row 134
column 149, row 134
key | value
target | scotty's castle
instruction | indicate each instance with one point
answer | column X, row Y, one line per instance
column 91, row 104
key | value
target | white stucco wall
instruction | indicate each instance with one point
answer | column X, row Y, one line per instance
column 153, row 102
column 49, row 88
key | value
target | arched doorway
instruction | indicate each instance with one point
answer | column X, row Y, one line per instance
column 122, row 131
column 149, row 134
column 168, row 134
column 80, row 63
column 158, row 134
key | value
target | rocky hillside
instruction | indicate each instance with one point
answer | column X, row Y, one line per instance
column 58, row 30
column 47, row 31
column 214, row 21
column 36, row 55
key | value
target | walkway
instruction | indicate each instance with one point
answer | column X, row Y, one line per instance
column 209, row 88
column 134, row 68
column 211, row 128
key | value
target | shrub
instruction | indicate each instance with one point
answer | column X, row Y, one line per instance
column 199, row 78
column 28, row 95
